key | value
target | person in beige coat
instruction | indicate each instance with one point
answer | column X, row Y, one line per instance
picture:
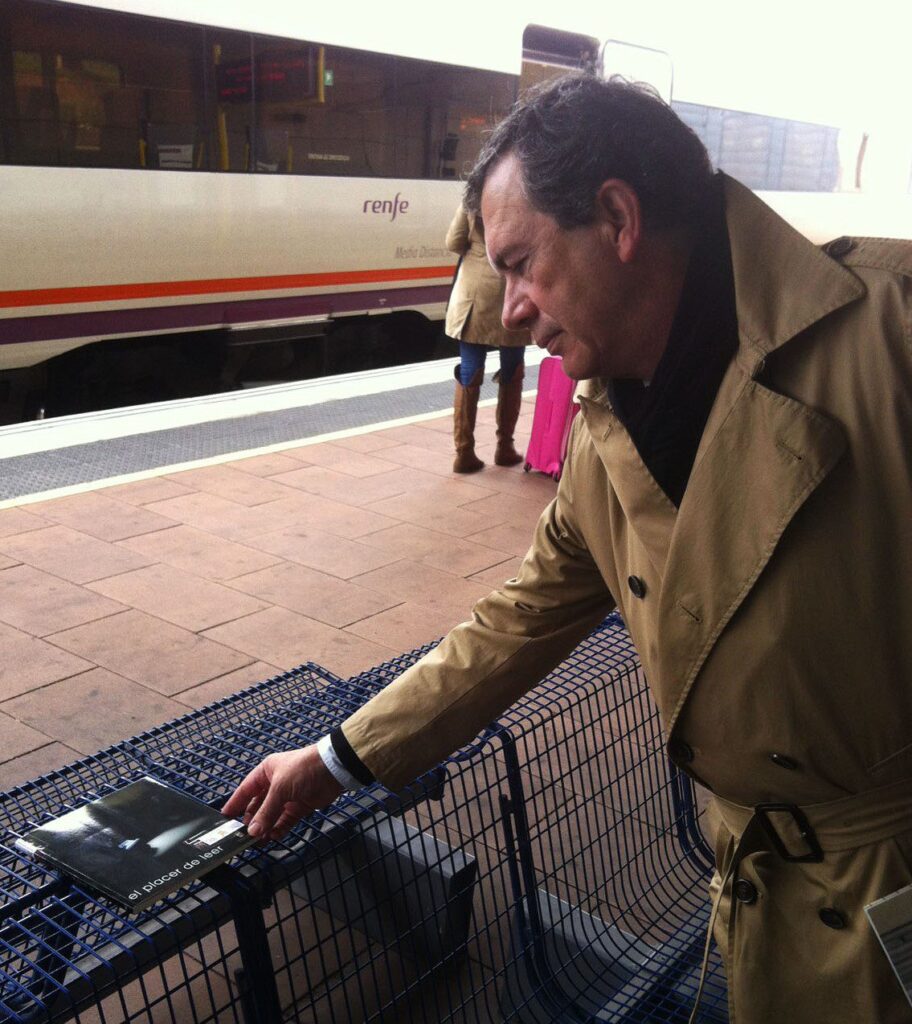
column 748, row 512
column 474, row 320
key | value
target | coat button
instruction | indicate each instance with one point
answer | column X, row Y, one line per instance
column 839, row 247
column 680, row 751
column 637, row 586
column 832, row 918
column 784, row 761
column 745, row 891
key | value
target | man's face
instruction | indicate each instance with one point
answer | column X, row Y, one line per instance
column 569, row 288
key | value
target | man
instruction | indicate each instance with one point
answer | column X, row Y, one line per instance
column 739, row 485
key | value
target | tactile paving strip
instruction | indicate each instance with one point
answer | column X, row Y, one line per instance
column 101, row 460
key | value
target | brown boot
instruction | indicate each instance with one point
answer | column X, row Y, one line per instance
column 465, row 406
column 509, row 402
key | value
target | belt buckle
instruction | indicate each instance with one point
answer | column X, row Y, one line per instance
column 805, row 832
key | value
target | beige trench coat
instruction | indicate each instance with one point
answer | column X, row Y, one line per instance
column 476, row 301
column 776, row 619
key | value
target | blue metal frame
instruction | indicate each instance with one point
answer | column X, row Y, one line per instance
column 559, row 859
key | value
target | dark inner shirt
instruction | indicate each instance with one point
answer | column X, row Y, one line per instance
column 666, row 419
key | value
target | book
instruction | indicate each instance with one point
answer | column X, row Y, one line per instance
column 137, row 844
column 891, row 919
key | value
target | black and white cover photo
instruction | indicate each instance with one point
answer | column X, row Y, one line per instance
column 138, row 843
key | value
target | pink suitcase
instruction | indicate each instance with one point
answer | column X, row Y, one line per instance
column 554, row 412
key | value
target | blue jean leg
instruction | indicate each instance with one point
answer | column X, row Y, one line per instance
column 472, row 359
column 511, row 358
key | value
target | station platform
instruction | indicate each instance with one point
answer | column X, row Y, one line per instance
column 151, row 570
column 146, row 574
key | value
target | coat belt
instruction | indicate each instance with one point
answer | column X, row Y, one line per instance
column 835, row 825
column 809, row 832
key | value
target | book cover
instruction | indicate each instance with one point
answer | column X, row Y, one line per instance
column 891, row 919
column 139, row 843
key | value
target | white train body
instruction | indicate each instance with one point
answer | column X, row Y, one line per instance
column 93, row 253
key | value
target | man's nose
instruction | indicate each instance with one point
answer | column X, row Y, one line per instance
column 518, row 308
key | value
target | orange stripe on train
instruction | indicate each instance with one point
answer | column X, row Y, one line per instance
column 170, row 289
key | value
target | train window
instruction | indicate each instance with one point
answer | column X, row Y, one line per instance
column 549, row 52
column 166, row 73
column 82, row 86
column 556, row 48
column 767, row 152
column 289, row 92
column 469, row 104
column 810, row 158
column 747, row 146
column 324, row 110
column 232, row 86
column 337, row 111
column 31, row 124
column 96, row 88
column 87, row 87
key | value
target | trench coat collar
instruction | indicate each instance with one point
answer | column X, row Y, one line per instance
column 770, row 259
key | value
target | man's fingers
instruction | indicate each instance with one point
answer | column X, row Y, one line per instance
column 251, row 808
column 286, row 820
column 280, row 791
column 265, row 818
column 248, row 790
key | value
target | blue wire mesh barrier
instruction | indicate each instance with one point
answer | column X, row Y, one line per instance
column 552, row 870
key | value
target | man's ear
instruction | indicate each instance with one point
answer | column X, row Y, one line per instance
column 620, row 217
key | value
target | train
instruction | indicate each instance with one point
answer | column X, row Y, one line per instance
column 190, row 190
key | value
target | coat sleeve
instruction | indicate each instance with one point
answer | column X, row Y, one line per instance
column 457, row 236
column 515, row 637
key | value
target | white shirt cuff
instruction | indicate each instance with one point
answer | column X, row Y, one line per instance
column 335, row 767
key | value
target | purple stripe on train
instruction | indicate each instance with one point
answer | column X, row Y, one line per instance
column 207, row 314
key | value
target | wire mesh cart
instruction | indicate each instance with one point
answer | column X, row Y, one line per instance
column 554, row 870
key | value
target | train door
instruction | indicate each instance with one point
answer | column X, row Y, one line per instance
column 638, row 64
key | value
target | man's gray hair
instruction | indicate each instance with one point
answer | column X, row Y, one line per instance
column 575, row 132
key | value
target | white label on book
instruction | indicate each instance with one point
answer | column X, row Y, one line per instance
column 891, row 919
column 217, row 834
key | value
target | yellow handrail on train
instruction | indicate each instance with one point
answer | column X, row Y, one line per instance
column 220, row 122
column 321, row 71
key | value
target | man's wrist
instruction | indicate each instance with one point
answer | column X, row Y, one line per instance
column 348, row 758
column 334, row 766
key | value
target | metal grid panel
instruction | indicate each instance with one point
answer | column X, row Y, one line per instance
column 552, row 870
column 62, row 950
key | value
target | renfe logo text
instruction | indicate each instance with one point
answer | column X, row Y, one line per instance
column 390, row 206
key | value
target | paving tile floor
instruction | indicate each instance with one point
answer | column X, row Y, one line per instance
column 124, row 606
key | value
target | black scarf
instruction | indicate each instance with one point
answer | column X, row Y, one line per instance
column 666, row 419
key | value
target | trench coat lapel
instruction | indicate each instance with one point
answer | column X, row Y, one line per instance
column 646, row 507
column 762, row 454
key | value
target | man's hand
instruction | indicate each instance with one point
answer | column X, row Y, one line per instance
column 281, row 790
